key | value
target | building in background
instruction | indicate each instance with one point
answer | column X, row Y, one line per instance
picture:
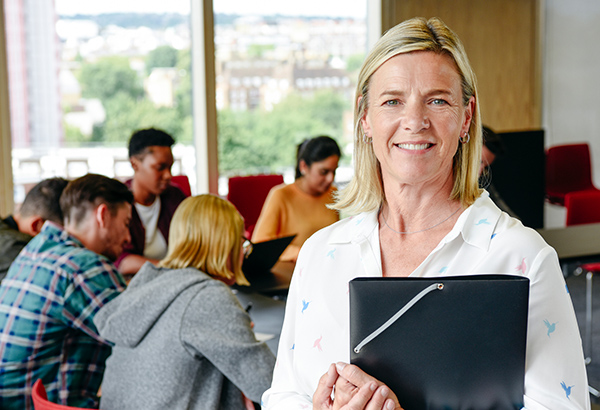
column 33, row 67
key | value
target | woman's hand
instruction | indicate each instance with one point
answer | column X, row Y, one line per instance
column 354, row 390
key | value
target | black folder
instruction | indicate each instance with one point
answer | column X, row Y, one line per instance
column 452, row 343
column 264, row 256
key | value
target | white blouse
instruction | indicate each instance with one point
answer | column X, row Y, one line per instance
column 484, row 240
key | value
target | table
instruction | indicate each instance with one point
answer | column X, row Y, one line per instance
column 267, row 314
column 576, row 241
column 267, row 295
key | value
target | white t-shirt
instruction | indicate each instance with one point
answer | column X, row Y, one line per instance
column 155, row 245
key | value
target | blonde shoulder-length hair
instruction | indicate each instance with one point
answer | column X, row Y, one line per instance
column 206, row 234
column 365, row 190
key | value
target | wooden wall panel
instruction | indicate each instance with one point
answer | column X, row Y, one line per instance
column 502, row 40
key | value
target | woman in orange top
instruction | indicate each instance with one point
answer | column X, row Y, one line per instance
column 300, row 208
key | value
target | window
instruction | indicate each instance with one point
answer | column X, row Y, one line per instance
column 294, row 68
column 65, row 125
column 84, row 75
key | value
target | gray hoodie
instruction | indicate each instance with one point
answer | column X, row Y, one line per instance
column 182, row 341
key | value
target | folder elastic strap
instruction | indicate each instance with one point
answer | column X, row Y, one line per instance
column 382, row 328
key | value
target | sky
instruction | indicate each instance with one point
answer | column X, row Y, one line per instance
column 337, row 8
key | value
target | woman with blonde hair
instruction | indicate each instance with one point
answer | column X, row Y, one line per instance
column 417, row 211
column 181, row 338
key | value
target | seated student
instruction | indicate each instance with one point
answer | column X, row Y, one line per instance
column 52, row 291
column 155, row 199
column 300, row 208
column 182, row 339
column 40, row 205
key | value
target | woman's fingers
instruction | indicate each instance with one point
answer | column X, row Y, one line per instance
column 322, row 396
column 354, row 390
column 362, row 398
column 344, row 391
column 355, row 375
column 378, row 396
column 381, row 400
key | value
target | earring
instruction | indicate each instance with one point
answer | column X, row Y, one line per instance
column 465, row 139
column 367, row 139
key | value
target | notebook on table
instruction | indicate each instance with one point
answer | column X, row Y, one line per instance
column 443, row 343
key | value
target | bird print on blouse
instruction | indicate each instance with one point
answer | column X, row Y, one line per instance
column 330, row 254
column 359, row 221
column 567, row 389
column 304, row 305
column 493, row 235
column 522, row 266
column 317, row 344
column 444, row 269
column 551, row 326
column 482, row 222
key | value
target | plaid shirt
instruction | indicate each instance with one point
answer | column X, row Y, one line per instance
column 47, row 305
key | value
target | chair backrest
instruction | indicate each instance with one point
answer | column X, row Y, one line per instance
column 583, row 207
column 248, row 194
column 182, row 182
column 41, row 402
column 568, row 169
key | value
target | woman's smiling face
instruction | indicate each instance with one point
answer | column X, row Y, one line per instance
column 415, row 116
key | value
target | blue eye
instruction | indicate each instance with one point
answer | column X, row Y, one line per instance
column 439, row 101
column 392, row 102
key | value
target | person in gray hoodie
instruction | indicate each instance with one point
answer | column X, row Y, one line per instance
column 181, row 338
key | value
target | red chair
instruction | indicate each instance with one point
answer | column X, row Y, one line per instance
column 568, row 169
column 583, row 207
column 182, row 182
column 248, row 194
column 41, row 402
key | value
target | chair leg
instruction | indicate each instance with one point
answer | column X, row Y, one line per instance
column 588, row 326
column 588, row 317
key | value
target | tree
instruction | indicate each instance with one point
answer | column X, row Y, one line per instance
column 183, row 95
column 162, row 56
column 125, row 115
column 73, row 134
column 109, row 76
column 119, row 88
column 354, row 62
column 265, row 141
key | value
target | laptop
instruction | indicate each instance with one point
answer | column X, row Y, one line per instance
column 264, row 256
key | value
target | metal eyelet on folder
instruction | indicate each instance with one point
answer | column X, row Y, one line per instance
column 382, row 328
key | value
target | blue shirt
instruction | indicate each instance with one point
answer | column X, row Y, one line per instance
column 47, row 305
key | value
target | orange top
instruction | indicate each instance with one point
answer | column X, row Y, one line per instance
column 288, row 210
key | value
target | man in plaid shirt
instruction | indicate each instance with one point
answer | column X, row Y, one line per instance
column 52, row 292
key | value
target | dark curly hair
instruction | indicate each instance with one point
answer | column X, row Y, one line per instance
column 142, row 139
